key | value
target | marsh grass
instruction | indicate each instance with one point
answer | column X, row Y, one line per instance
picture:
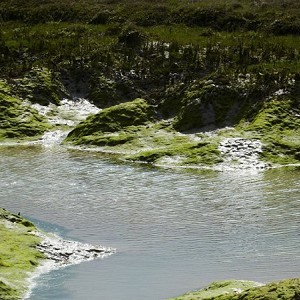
column 159, row 51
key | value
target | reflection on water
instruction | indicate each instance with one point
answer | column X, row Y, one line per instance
column 173, row 231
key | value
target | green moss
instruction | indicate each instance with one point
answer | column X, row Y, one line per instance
column 283, row 148
column 4, row 87
column 278, row 123
column 184, row 153
column 107, row 139
column 112, row 119
column 122, row 128
column 287, row 289
column 7, row 292
column 41, row 86
column 17, row 119
column 246, row 290
column 18, row 255
column 215, row 289
column 103, row 92
column 204, row 153
column 151, row 143
column 206, row 103
column 276, row 115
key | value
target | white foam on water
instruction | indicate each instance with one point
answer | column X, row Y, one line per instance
column 69, row 113
column 45, row 267
column 51, row 138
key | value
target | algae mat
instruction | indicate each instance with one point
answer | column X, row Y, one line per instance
column 18, row 255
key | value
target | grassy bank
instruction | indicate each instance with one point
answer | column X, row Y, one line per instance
column 200, row 66
column 237, row 290
column 142, row 137
column 18, row 256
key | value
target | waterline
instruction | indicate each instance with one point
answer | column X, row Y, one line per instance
column 174, row 231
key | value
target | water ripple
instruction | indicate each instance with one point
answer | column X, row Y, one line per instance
column 168, row 226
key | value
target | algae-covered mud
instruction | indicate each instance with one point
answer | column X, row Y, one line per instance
column 269, row 138
column 200, row 67
column 17, row 118
column 238, row 289
column 26, row 252
column 18, row 254
column 228, row 287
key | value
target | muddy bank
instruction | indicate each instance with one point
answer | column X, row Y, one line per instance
column 202, row 66
column 133, row 131
column 170, row 116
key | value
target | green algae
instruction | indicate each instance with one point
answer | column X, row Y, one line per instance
column 139, row 137
column 188, row 153
column 277, row 124
column 215, row 289
column 154, row 142
column 4, row 87
column 7, row 292
column 112, row 119
column 127, row 128
column 275, row 115
column 18, row 256
column 288, row 289
column 40, row 85
column 103, row 92
column 206, row 103
column 208, row 75
column 282, row 148
column 108, row 140
column 18, row 119
column 159, row 143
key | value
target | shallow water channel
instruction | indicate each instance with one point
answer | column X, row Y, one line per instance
column 174, row 231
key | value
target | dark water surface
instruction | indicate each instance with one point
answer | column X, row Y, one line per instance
column 174, row 231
